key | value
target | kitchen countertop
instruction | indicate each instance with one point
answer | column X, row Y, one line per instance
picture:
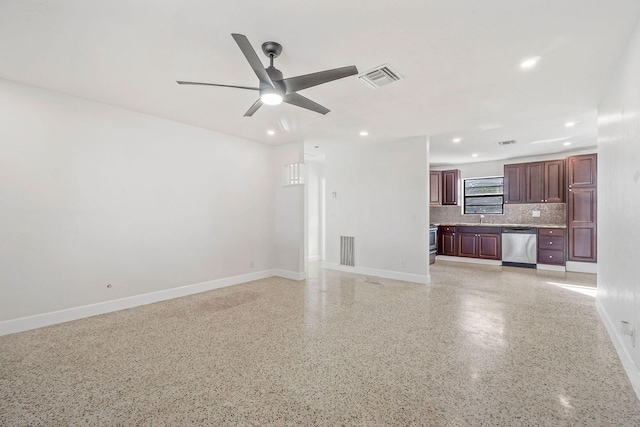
column 477, row 224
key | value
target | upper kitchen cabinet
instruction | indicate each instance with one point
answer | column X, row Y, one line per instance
column 444, row 187
column 435, row 188
column 582, row 171
column 536, row 182
column 450, row 185
column 554, row 181
column 514, row 183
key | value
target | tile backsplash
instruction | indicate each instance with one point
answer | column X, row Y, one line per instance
column 550, row 214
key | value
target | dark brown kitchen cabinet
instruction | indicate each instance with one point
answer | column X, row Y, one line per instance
column 582, row 170
column 490, row 246
column 582, row 207
column 435, row 185
column 514, row 183
column 467, row 245
column 551, row 246
column 479, row 242
column 535, row 182
column 450, row 180
column 581, row 213
column 447, row 241
column 554, row 181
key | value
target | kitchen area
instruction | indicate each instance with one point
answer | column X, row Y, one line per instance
column 536, row 214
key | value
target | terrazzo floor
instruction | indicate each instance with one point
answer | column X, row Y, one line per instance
column 479, row 346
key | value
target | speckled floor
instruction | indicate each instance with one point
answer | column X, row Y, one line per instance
column 481, row 345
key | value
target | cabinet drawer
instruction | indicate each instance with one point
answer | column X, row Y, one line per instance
column 551, row 231
column 551, row 242
column 447, row 229
column 546, row 256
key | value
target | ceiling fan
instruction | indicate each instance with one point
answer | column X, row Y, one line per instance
column 273, row 88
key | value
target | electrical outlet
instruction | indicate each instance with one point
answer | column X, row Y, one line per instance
column 403, row 263
column 252, row 264
column 535, row 214
column 628, row 330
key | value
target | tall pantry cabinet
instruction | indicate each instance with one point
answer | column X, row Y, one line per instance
column 582, row 196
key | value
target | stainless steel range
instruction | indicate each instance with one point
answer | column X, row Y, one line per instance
column 433, row 246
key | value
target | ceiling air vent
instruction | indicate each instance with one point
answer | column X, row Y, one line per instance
column 380, row 76
column 513, row 141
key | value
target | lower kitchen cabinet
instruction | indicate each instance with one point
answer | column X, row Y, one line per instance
column 447, row 241
column 551, row 246
column 479, row 242
column 490, row 246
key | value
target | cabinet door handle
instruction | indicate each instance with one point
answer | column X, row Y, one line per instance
column 550, row 256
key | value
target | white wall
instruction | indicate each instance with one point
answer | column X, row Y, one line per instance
column 94, row 195
column 619, row 206
column 315, row 174
column 381, row 199
column 496, row 168
column 289, row 220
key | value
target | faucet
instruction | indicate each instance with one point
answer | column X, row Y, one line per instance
column 481, row 218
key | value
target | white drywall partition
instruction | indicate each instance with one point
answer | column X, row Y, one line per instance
column 377, row 193
column 618, row 205
column 288, row 226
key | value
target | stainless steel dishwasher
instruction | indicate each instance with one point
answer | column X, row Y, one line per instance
column 519, row 246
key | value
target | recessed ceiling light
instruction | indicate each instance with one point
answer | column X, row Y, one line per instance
column 364, row 133
column 528, row 63
column 316, row 146
column 570, row 124
column 542, row 141
column 474, row 155
column 271, row 132
column 566, row 143
column 457, row 139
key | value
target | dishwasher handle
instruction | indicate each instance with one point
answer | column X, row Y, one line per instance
column 519, row 230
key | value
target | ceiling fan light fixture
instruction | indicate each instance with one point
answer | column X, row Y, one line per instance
column 271, row 96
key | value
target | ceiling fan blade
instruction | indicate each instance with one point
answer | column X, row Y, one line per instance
column 294, row 84
column 301, row 101
column 214, row 84
column 253, row 108
column 252, row 58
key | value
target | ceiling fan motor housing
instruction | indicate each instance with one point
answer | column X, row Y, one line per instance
column 272, row 49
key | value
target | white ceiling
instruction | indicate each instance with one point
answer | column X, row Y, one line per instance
column 459, row 59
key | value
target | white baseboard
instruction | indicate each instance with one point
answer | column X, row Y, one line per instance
column 293, row 275
column 582, row 267
column 468, row 260
column 386, row 274
column 46, row 319
column 632, row 370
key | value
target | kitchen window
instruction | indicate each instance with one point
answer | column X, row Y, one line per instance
column 484, row 195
